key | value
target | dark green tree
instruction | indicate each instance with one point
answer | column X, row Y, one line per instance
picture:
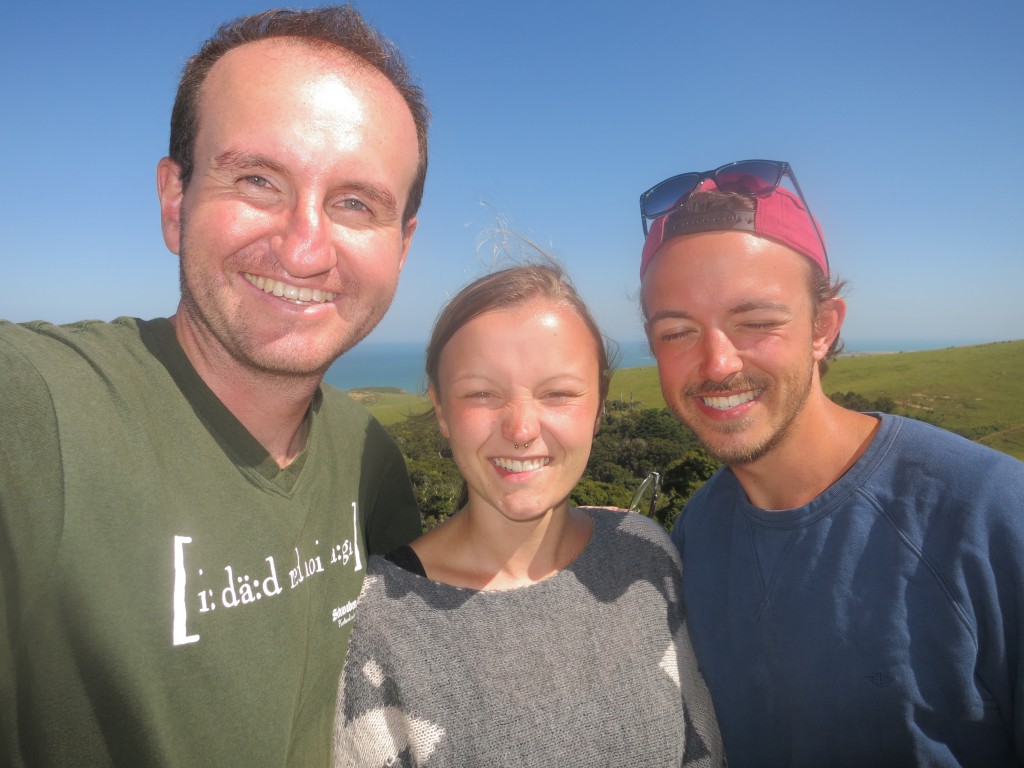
column 631, row 443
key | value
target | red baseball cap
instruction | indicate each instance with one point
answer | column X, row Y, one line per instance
column 779, row 216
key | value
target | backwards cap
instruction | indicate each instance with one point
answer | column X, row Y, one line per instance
column 779, row 216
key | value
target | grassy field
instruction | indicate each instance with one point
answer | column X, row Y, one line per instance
column 390, row 406
column 975, row 391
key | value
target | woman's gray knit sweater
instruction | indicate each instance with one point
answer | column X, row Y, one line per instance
column 590, row 667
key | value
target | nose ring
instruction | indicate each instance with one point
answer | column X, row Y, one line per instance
column 525, row 445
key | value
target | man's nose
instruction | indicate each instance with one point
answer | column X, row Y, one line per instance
column 304, row 246
column 720, row 358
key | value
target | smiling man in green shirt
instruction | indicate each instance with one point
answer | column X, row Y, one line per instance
column 185, row 510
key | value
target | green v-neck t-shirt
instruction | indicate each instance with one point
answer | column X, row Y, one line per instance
column 170, row 595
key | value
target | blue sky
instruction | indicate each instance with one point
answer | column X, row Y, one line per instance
column 903, row 121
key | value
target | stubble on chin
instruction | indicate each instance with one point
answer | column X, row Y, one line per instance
column 740, row 454
column 217, row 323
column 716, row 440
column 221, row 320
column 723, row 441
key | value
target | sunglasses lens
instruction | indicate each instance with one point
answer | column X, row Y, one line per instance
column 749, row 177
column 666, row 195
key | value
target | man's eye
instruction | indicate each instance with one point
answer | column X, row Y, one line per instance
column 352, row 204
column 675, row 334
column 764, row 325
column 257, row 181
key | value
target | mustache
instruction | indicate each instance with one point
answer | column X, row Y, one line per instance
column 734, row 383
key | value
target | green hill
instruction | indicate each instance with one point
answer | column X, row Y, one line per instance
column 974, row 391
column 637, row 385
column 390, row 405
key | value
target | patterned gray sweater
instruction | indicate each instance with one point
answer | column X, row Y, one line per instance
column 590, row 667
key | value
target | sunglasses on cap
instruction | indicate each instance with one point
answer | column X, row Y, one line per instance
column 754, row 178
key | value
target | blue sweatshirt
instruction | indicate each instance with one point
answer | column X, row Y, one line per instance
column 880, row 624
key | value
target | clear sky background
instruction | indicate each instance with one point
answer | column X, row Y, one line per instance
column 904, row 122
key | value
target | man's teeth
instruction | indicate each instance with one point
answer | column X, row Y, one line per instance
column 725, row 403
column 515, row 465
column 291, row 292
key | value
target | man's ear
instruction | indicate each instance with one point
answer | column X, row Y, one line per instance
column 827, row 325
column 170, row 192
column 442, row 422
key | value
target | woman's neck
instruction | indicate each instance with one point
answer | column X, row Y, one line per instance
column 480, row 549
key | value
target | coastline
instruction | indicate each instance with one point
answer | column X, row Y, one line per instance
column 398, row 365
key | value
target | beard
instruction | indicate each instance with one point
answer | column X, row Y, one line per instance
column 795, row 389
column 284, row 353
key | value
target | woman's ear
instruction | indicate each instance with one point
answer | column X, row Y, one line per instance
column 442, row 423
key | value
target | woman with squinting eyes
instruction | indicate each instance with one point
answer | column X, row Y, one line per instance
column 523, row 631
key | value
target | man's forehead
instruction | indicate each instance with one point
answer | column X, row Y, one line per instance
column 730, row 269
column 285, row 74
column 717, row 252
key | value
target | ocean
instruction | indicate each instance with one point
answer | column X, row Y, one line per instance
column 400, row 363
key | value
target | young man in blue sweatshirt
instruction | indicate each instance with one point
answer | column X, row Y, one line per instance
column 854, row 582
